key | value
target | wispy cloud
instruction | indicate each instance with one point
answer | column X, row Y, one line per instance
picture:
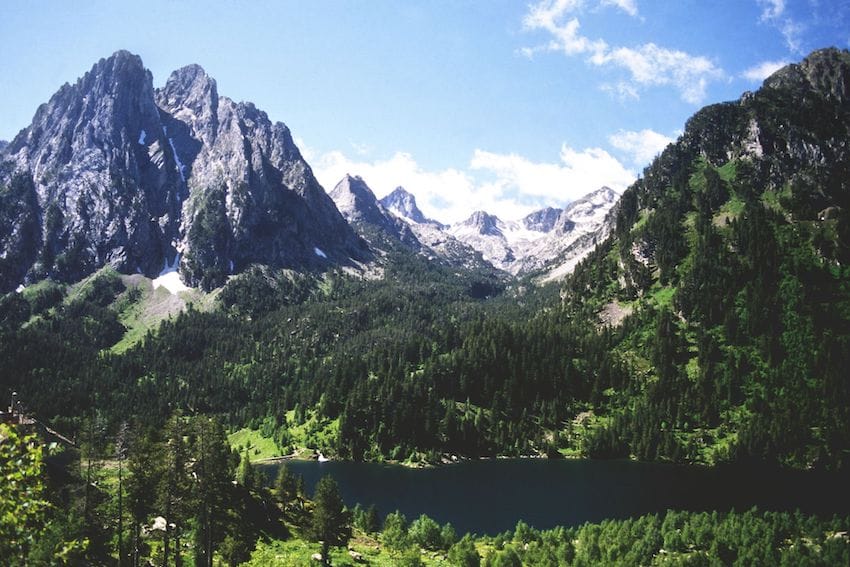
column 771, row 9
column 646, row 65
column 640, row 146
column 628, row 6
column 759, row 72
column 508, row 185
column 773, row 12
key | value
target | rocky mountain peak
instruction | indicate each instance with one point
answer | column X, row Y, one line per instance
column 189, row 87
column 355, row 200
column 543, row 220
column 482, row 223
column 127, row 176
column 358, row 204
column 403, row 203
column 825, row 71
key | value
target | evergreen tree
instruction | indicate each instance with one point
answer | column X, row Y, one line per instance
column 331, row 522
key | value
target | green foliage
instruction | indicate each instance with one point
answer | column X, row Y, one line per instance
column 464, row 554
column 395, row 535
column 366, row 520
column 23, row 506
column 331, row 522
column 246, row 475
column 425, row 533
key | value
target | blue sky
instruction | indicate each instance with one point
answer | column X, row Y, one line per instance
column 501, row 105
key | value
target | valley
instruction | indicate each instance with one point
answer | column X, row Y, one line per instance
column 182, row 297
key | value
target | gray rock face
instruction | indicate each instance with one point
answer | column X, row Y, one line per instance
column 403, row 204
column 543, row 220
column 358, row 204
column 129, row 176
column 548, row 241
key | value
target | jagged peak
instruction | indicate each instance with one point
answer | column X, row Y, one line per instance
column 403, row 203
column 355, row 199
column 542, row 220
column 482, row 222
column 191, row 83
column 354, row 185
column 826, row 71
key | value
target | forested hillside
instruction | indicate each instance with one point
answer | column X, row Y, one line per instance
column 713, row 325
column 732, row 252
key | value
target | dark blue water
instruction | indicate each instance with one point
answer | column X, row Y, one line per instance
column 491, row 496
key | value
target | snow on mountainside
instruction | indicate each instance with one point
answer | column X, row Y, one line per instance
column 395, row 216
column 541, row 238
column 403, row 204
column 550, row 241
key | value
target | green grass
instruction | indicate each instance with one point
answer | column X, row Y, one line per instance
column 150, row 307
column 306, row 438
column 296, row 552
column 728, row 171
column 258, row 447
column 643, row 218
column 663, row 296
column 314, row 433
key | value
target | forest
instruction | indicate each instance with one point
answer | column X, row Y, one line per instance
column 103, row 510
column 728, row 270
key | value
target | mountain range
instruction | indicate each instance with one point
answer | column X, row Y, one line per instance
column 711, row 324
column 114, row 172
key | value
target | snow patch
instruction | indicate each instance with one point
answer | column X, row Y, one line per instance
column 142, row 136
column 179, row 163
column 318, row 252
column 180, row 166
column 169, row 278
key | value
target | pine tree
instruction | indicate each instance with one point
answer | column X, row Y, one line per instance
column 331, row 523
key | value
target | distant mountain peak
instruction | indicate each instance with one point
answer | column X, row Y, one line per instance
column 355, row 200
column 403, row 203
column 482, row 222
column 542, row 220
column 358, row 204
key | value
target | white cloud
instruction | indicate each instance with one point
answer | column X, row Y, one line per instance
column 771, row 9
column 642, row 146
column 507, row 185
column 628, row 6
column 793, row 33
column 758, row 73
column 647, row 65
column 773, row 12
column 651, row 65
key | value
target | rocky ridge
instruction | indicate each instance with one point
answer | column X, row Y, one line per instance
column 114, row 172
column 549, row 240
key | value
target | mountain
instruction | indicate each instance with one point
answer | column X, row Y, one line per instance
column 543, row 220
column 548, row 242
column 358, row 204
column 727, row 269
column 403, row 204
column 114, row 172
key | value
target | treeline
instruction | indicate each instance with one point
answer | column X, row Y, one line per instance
column 134, row 496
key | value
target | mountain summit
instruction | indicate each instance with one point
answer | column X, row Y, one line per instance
column 114, row 172
column 403, row 204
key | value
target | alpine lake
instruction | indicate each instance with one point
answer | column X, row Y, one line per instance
column 491, row 496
